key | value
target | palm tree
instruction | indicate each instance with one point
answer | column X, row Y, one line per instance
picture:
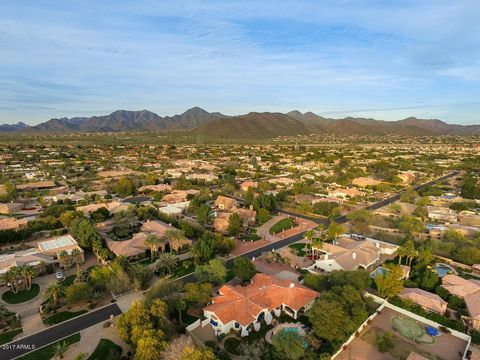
column 401, row 252
column 167, row 262
column 54, row 291
column 76, row 258
column 180, row 305
column 103, row 255
column 28, row 272
column 59, row 349
column 62, row 256
column 176, row 239
column 12, row 276
column 309, row 237
column 153, row 242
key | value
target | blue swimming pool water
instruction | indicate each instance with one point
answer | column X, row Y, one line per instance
column 380, row 271
column 442, row 270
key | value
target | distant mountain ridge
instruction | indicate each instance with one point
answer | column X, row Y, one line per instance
column 255, row 125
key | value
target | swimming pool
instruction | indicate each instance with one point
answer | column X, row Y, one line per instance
column 380, row 271
column 443, row 270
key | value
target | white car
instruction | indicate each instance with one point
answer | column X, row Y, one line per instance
column 59, row 275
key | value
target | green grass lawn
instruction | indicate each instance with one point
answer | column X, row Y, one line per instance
column 69, row 280
column 21, row 296
column 62, row 316
column 47, row 351
column 250, row 237
column 298, row 248
column 231, row 345
column 6, row 337
column 283, row 224
column 106, row 350
column 181, row 271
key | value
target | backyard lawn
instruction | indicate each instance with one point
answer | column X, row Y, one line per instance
column 181, row 270
column 21, row 296
column 106, row 350
column 299, row 248
column 8, row 336
column 283, row 224
column 47, row 351
column 62, row 316
column 69, row 280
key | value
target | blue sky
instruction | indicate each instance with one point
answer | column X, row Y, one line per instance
column 384, row 59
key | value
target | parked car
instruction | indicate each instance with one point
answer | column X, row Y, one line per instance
column 59, row 275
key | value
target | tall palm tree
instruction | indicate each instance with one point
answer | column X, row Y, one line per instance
column 28, row 272
column 309, row 238
column 54, row 291
column 76, row 258
column 62, row 256
column 153, row 242
column 176, row 239
column 167, row 262
column 12, row 276
column 59, row 349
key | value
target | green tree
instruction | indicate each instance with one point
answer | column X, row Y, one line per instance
column 198, row 293
column 124, row 187
column 204, row 214
column 385, row 342
column 263, row 216
column 153, row 242
column 288, row 345
column 215, row 272
column 244, row 268
column 77, row 292
column 150, row 346
column 235, row 224
column 334, row 230
column 59, row 349
column 167, row 263
column 391, row 283
column 411, row 224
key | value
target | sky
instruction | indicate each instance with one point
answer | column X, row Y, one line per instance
column 386, row 59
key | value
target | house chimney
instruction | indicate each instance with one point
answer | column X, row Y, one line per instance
column 292, row 285
column 354, row 255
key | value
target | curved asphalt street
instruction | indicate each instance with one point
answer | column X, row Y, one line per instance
column 24, row 345
column 27, row 344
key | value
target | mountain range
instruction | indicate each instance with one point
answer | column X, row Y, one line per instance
column 253, row 125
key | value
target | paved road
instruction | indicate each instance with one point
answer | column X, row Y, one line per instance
column 24, row 345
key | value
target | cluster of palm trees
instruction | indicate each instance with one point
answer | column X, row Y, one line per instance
column 75, row 254
column 175, row 238
column 16, row 273
column 408, row 251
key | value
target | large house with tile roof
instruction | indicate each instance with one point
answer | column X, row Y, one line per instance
column 427, row 300
column 245, row 307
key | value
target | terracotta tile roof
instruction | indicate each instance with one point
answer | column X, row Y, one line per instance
column 473, row 304
column 458, row 286
column 415, row 356
column 425, row 299
column 132, row 247
column 243, row 303
column 225, row 203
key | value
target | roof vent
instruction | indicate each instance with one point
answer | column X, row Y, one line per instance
column 354, row 255
column 292, row 285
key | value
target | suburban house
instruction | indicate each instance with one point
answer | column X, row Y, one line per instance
column 54, row 247
column 248, row 184
column 243, row 308
column 40, row 185
column 441, row 214
column 30, row 257
column 174, row 210
column 130, row 248
column 365, row 181
column 177, row 196
column 225, row 203
column 344, row 193
column 112, row 206
column 154, row 188
column 427, row 300
column 349, row 254
column 12, row 223
column 10, row 208
column 472, row 301
column 459, row 286
column 282, row 181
